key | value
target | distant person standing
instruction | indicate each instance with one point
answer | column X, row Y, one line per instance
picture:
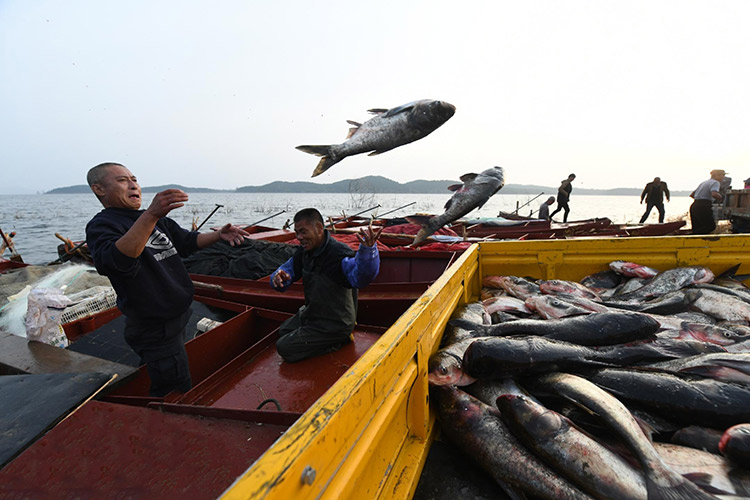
column 654, row 193
column 747, row 183
column 563, row 195
column 544, row 208
column 701, row 214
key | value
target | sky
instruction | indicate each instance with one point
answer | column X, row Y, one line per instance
column 218, row 94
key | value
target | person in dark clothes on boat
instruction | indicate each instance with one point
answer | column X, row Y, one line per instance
column 544, row 208
column 141, row 251
column 701, row 213
column 654, row 193
column 332, row 272
column 563, row 196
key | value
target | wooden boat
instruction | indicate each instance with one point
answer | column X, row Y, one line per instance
column 403, row 277
column 352, row 424
column 7, row 265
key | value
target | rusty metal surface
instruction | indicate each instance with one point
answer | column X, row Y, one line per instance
column 107, row 450
column 260, row 374
column 31, row 404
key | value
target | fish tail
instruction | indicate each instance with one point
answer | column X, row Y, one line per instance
column 418, row 219
column 421, row 236
column 325, row 162
column 681, row 491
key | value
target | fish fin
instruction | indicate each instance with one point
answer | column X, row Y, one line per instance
column 352, row 122
column 684, row 489
column 448, row 204
column 418, row 219
column 352, row 131
column 466, row 178
column 455, row 187
column 400, row 109
column 731, row 272
column 377, row 111
column 314, row 150
column 378, row 151
column 703, row 480
column 324, row 164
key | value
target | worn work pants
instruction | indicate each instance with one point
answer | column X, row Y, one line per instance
column 297, row 342
column 161, row 346
column 702, row 217
column 561, row 205
column 649, row 206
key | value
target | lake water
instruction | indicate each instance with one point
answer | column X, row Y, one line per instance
column 36, row 218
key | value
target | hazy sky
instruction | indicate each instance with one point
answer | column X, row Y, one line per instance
column 217, row 94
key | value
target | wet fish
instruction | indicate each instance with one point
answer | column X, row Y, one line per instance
column 445, row 367
column 680, row 398
column 632, row 270
column 712, row 334
column 670, row 303
column 488, row 293
column 735, row 444
column 583, row 460
column 506, row 304
column 457, row 330
column 603, row 280
column 388, row 129
column 661, row 481
column 724, row 366
column 487, row 391
column 478, row 430
column 595, row 329
column 473, row 311
column 473, row 193
column 712, row 472
column 517, row 287
column 554, row 287
column 551, row 307
column 669, row 281
column 495, row 357
column 700, row 438
column 719, row 305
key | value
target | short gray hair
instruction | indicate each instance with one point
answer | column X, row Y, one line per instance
column 95, row 174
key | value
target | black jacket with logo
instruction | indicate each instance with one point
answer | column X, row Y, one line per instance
column 154, row 286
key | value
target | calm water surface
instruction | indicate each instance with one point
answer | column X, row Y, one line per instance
column 36, row 218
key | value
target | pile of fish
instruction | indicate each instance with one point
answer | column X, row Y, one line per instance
column 632, row 384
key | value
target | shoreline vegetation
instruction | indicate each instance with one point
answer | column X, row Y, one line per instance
column 369, row 184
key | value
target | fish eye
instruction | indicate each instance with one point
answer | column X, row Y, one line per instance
column 728, row 335
column 443, row 370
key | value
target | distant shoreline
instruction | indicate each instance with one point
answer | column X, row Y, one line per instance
column 367, row 185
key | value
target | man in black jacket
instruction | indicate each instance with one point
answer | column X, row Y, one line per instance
column 654, row 193
column 141, row 251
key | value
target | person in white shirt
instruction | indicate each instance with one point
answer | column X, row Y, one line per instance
column 701, row 214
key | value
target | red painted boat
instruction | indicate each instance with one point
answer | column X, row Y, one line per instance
column 403, row 277
column 7, row 265
column 243, row 398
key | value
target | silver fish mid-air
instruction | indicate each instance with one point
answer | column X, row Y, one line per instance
column 389, row 129
column 473, row 193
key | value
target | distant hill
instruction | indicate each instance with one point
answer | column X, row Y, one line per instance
column 369, row 184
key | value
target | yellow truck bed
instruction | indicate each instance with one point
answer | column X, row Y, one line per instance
column 368, row 436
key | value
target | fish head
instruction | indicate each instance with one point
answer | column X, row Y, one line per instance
column 710, row 333
column 429, row 115
column 551, row 307
column 702, row 275
column 445, row 369
column 496, row 173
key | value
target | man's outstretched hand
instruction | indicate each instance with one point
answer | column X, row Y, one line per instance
column 368, row 237
column 233, row 234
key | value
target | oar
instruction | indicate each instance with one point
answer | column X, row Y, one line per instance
column 354, row 215
column 396, row 209
column 534, row 198
column 263, row 220
column 209, row 216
